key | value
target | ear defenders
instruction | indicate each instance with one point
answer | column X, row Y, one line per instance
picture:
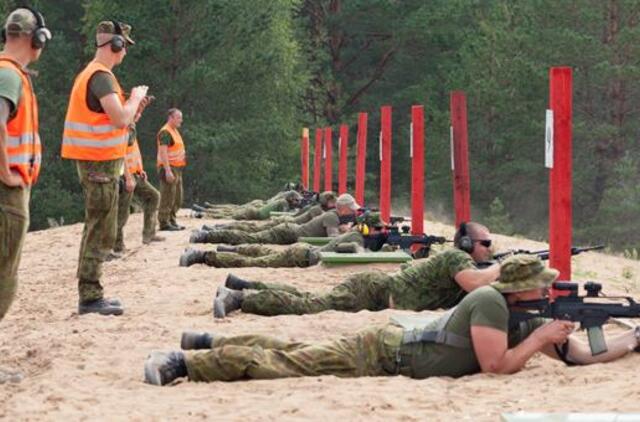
column 117, row 42
column 39, row 36
column 464, row 242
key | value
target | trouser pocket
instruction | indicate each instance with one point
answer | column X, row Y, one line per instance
column 12, row 230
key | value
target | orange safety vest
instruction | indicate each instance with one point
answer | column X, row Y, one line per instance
column 88, row 135
column 24, row 150
column 176, row 152
column 134, row 159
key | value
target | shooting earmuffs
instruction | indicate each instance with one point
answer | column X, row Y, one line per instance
column 464, row 243
column 39, row 36
column 117, row 42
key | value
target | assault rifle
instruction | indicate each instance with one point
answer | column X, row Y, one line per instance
column 591, row 310
column 402, row 240
column 542, row 254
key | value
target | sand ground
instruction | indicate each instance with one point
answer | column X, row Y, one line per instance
column 90, row 367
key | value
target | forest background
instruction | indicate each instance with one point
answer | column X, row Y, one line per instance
column 249, row 74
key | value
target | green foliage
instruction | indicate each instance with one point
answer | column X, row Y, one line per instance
column 498, row 219
column 249, row 75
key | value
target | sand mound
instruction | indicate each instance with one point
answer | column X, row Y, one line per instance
column 90, row 367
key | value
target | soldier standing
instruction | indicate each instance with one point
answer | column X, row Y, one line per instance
column 24, row 36
column 95, row 136
column 171, row 162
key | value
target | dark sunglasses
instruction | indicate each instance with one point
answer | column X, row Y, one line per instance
column 484, row 242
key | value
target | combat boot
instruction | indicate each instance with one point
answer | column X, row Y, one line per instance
column 234, row 282
column 192, row 340
column 227, row 248
column 198, row 208
column 161, row 368
column 226, row 301
column 154, row 238
column 176, row 225
column 168, row 228
column 101, row 306
column 191, row 256
column 198, row 236
column 113, row 255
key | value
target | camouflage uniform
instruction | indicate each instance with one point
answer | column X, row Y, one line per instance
column 296, row 255
column 99, row 180
column 429, row 284
column 14, row 222
column 262, row 213
column 170, row 197
column 149, row 197
column 370, row 352
column 282, row 234
column 304, row 217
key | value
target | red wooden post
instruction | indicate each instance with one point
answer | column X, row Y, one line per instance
column 385, row 163
column 328, row 159
column 560, row 186
column 317, row 160
column 417, row 169
column 304, row 158
column 460, row 157
column 361, row 156
column 342, row 166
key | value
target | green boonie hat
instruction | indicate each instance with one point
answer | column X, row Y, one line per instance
column 326, row 196
column 524, row 272
column 293, row 196
column 21, row 21
column 106, row 30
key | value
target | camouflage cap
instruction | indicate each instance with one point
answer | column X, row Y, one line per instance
column 23, row 21
column 292, row 196
column 524, row 272
column 326, row 196
column 371, row 219
column 346, row 200
column 106, row 30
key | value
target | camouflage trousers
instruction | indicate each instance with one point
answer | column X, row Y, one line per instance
column 371, row 290
column 370, row 352
column 282, row 234
column 248, row 213
column 99, row 180
column 14, row 222
column 149, row 198
column 248, row 226
column 235, row 207
column 296, row 255
column 170, row 197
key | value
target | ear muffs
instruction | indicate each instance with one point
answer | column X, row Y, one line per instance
column 39, row 36
column 117, row 42
column 464, row 243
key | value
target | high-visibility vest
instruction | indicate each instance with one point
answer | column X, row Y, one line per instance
column 133, row 158
column 88, row 135
column 23, row 147
column 175, row 152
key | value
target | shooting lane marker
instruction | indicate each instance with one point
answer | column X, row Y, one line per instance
column 343, row 147
column 417, row 169
column 361, row 156
column 385, row 162
column 304, row 158
column 317, row 160
column 560, row 184
column 328, row 159
column 460, row 157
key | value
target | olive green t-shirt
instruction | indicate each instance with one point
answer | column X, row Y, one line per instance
column 101, row 84
column 485, row 307
column 430, row 283
column 11, row 89
column 165, row 138
column 265, row 211
column 321, row 225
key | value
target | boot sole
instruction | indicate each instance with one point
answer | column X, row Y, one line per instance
column 151, row 372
